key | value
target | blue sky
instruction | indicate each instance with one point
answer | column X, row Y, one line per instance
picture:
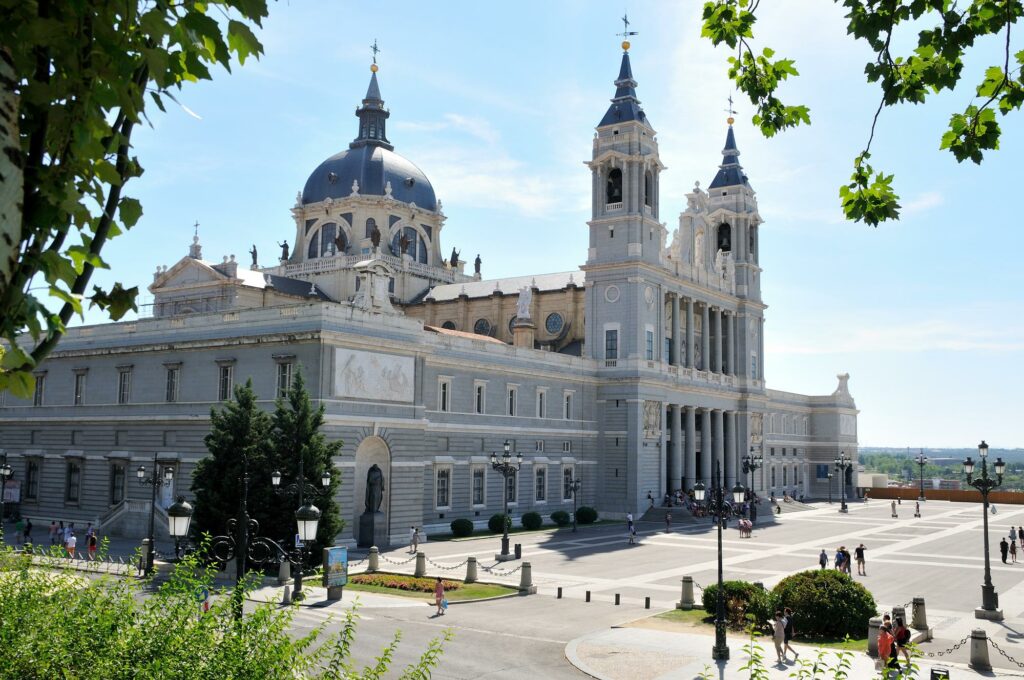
column 497, row 103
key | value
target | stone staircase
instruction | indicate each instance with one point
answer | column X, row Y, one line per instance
column 679, row 515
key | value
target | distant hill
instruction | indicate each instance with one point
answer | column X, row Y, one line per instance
column 937, row 455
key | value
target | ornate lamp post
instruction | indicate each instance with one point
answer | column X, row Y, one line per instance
column 5, row 473
column 921, row 461
column 989, row 597
column 506, row 468
column 304, row 516
column 721, row 649
column 155, row 481
column 751, row 462
column 179, row 518
column 575, row 488
column 830, row 476
column 843, row 464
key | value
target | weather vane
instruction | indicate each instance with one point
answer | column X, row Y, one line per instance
column 375, row 50
column 196, row 225
column 625, row 28
column 730, row 110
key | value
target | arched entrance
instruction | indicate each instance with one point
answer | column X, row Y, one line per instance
column 372, row 451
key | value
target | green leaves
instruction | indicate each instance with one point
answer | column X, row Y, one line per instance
column 242, row 41
column 869, row 195
column 970, row 133
column 759, row 78
column 727, row 21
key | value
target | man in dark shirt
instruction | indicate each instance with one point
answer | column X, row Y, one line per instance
column 1004, row 548
column 858, row 554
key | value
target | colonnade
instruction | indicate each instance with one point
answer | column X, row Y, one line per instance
column 719, row 440
column 718, row 341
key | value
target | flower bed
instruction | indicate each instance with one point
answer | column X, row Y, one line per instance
column 401, row 582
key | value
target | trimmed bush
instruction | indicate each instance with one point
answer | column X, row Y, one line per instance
column 461, row 527
column 532, row 520
column 826, row 602
column 586, row 515
column 745, row 603
column 561, row 518
column 497, row 523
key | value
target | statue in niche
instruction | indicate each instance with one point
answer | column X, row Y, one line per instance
column 698, row 249
column 375, row 236
column 284, row 250
column 454, row 260
column 523, row 304
column 403, row 244
column 374, row 489
column 253, row 254
column 476, row 264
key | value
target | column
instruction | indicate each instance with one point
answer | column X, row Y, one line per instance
column 675, row 468
column 717, row 364
column 690, row 460
column 719, row 441
column 705, row 446
column 760, row 341
column 675, row 345
column 705, row 337
column 730, row 344
column 689, row 333
column 731, row 467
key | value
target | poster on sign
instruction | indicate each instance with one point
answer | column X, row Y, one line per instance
column 335, row 567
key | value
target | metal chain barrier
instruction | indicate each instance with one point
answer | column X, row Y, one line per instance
column 398, row 562
column 1005, row 655
column 441, row 566
column 950, row 650
column 357, row 562
column 497, row 572
column 699, row 586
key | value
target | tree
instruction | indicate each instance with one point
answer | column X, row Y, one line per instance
column 74, row 77
column 296, row 433
column 240, row 430
column 935, row 65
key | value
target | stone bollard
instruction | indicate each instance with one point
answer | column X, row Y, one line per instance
column 898, row 613
column 686, row 600
column 979, row 651
column 874, row 623
column 421, row 565
column 374, row 560
column 471, row 570
column 920, row 618
column 287, row 597
column 526, row 586
column 284, row 572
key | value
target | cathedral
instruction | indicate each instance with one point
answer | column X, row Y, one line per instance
column 638, row 374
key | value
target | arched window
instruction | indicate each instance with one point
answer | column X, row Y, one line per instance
column 614, row 190
column 648, row 188
column 416, row 246
column 371, row 224
column 450, row 325
column 326, row 241
column 724, row 237
column 753, row 242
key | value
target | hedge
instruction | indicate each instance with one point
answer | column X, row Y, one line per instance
column 461, row 527
column 826, row 602
column 497, row 523
column 745, row 603
column 532, row 520
column 561, row 518
column 401, row 582
column 586, row 515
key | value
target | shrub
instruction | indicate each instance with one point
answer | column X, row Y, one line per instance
column 561, row 518
column 416, row 584
column 745, row 603
column 586, row 515
column 532, row 520
column 461, row 527
column 497, row 523
column 826, row 602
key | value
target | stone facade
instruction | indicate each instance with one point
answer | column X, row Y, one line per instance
column 632, row 375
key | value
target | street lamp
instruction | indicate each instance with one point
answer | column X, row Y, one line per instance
column 508, row 469
column 155, row 481
column 304, row 516
column 921, row 461
column 179, row 517
column 5, row 472
column 751, row 462
column 989, row 597
column 843, row 464
column 721, row 649
column 574, row 487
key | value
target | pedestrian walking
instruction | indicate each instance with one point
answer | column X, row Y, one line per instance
column 917, row 509
column 779, row 636
column 19, row 531
column 847, row 560
column 823, row 559
column 1020, row 535
column 839, row 559
column 630, row 529
column 72, row 542
column 1013, row 551
column 668, row 522
column 886, row 650
column 789, row 631
column 858, row 554
column 1004, row 549
column 893, row 505
column 1013, row 535
column 650, row 498
column 414, row 539
column 91, row 541
column 28, row 531
column 901, row 636
column 439, row 600
column 53, row 532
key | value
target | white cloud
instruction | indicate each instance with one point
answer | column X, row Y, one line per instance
column 923, row 203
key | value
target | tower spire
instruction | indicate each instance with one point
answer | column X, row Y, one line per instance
column 372, row 114
column 625, row 105
column 730, row 172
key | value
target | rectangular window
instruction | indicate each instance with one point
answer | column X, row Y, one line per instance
column 117, row 477
column 479, row 397
column 444, row 394
column 479, row 485
column 512, row 401
column 284, row 378
column 443, row 487
column 511, row 486
column 567, row 479
column 542, row 407
column 821, row 471
column 753, row 366
column 567, row 406
column 773, row 476
column 32, row 479
column 73, row 481
column 40, row 394
column 225, row 382
column 538, row 446
column 124, row 386
column 566, row 447
column 172, row 383
column 79, row 389
column 611, row 344
column 650, row 345
column 785, row 476
column 541, row 485
column 771, row 451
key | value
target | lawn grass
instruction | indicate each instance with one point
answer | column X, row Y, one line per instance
column 698, row 617
column 694, row 616
column 469, row 591
column 847, row 645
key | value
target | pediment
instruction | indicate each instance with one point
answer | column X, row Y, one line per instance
column 187, row 273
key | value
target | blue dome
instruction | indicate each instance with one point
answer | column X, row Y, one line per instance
column 373, row 167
